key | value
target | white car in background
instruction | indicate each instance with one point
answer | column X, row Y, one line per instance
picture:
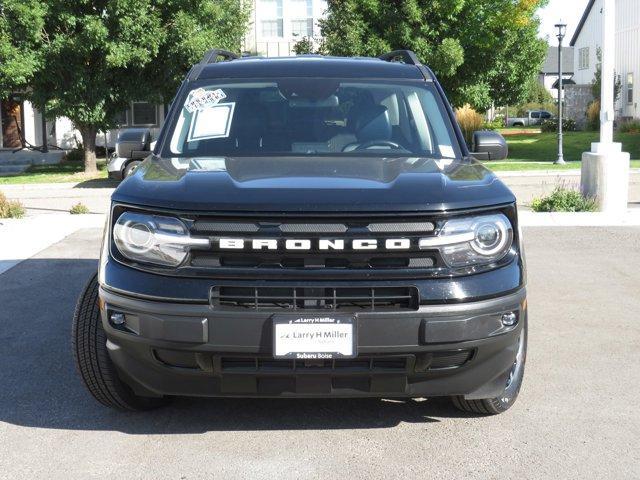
column 134, row 145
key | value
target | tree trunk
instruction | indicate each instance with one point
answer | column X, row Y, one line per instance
column 89, row 143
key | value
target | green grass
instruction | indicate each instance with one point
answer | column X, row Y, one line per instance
column 64, row 172
column 538, row 151
column 544, row 147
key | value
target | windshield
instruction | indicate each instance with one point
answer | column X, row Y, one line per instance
column 308, row 116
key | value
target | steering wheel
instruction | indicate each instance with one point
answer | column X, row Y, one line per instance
column 379, row 143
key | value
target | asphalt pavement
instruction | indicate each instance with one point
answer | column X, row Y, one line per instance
column 576, row 416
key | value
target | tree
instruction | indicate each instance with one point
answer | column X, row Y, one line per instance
column 537, row 93
column 21, row 22
column 596, row 83
column 95, row 56
column 483, row 51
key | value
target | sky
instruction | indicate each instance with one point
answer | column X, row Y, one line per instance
column 570, row 11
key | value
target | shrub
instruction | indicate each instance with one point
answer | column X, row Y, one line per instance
column 593, row 115
column 494, row 125
column 568, row 125
column 469, row 121
column 564, row 200
column 632, row 126
column 75, row 155
column 10, row 208
column 79, row 209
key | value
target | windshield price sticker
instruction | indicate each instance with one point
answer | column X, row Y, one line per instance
column 201, row 99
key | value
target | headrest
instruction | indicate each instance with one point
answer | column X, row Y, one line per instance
column 372, row 123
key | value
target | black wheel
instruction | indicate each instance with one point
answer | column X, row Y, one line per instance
column 502, row 403
column 98, row 373
column 130, row 168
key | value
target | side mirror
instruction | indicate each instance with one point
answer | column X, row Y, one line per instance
column 134, row 143
column 489, row 145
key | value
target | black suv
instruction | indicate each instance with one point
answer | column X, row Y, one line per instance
column 308, row 227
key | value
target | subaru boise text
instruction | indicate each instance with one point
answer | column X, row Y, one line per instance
column 308, row 227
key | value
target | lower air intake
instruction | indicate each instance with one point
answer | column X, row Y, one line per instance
column 315, row 298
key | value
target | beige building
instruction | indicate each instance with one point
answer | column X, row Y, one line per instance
column 277, row 25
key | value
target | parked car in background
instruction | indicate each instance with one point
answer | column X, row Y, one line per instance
column 532, row 117
column 133, row 146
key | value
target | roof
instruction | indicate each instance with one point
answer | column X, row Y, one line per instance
column 583, row 20
column 565, row 82
column 311, row 66
column 550, row 65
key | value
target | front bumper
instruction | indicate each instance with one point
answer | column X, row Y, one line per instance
column 199, row 350
column 115, row 167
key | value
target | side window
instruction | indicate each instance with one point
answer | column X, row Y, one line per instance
column 546, row 115
column 535, row 114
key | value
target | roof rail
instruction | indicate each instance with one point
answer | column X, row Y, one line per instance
column 211, row 56
column 407, row 57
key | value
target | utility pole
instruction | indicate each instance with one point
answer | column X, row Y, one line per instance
column 605, row 169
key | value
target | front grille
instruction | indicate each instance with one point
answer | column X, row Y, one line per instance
column 313, row 229
column 315, row 298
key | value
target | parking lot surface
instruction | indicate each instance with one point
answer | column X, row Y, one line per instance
column 576, row 416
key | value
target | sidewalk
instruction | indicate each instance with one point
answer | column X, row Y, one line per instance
column 21, row 239
column 55, row 198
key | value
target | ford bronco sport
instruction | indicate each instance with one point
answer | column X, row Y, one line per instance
column 308, row 227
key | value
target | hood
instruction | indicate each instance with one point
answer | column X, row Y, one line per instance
column 312, row 184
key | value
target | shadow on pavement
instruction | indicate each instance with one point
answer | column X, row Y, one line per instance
column 98, row 183
column 39, row 386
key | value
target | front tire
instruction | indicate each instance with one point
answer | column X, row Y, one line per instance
column 501, row 403
column 130, row 168
column 89, row 343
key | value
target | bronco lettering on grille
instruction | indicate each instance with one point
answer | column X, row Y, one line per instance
column 325, row 244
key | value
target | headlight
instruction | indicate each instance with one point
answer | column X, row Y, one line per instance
column 472, row 241
column 154, row 239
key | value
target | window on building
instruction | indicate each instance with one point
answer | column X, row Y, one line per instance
column 630, row 88
column 300, row 8
column 272, row 28
column 139, row 114
column 271, row 12
column 301, row 11
column 583, row 58
column 144, row 113
column 302, row 28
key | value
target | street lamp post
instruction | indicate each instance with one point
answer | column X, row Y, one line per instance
column 562, row 31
